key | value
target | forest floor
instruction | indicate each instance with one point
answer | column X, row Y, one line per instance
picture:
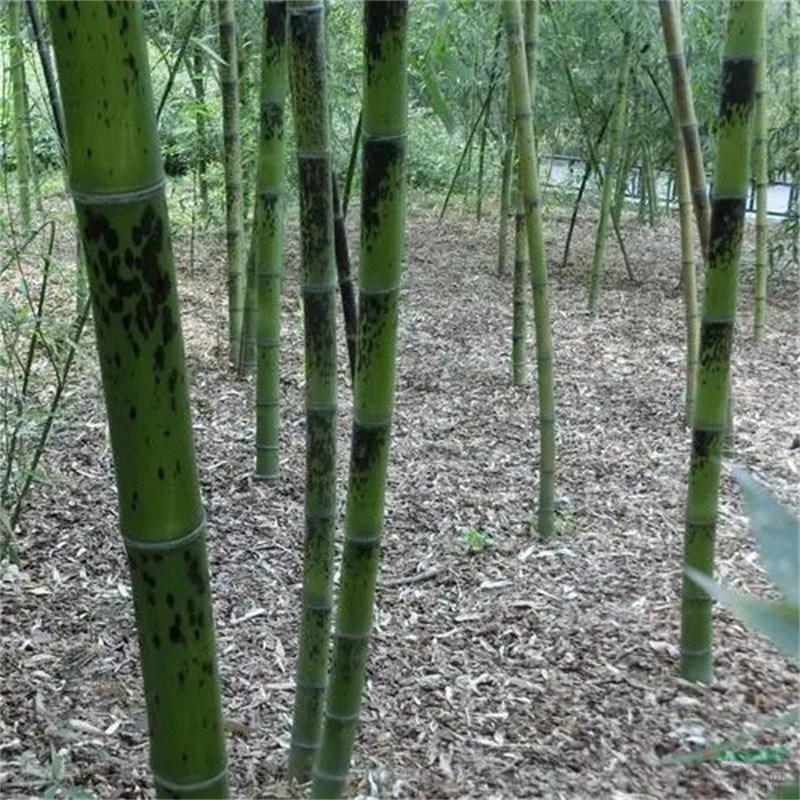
column 521, row 670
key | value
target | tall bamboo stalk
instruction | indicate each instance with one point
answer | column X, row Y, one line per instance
column 382, row 240
column 731, row 174
column 760, row 169
column 529, row 185
column 269, row 222
column 519, row 361
column 688, row 274
column 22, row 154
column 232, row 159
column 117, row 183
column 684, row 105
column 505, row 185
column 309, row 82
column 612, row 158
column 197, row 74
column 346, row 294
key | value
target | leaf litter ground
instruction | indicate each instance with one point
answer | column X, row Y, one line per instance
column 521, row 670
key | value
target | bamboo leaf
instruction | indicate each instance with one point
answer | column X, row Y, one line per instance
column 779, row 622
column 777, row 533
column 439, row 105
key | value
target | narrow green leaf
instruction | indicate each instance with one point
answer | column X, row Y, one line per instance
column 779, row 622
column 777, row 532
column 436, row 97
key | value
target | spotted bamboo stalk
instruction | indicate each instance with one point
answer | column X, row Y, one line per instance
column 519, row 361
column 731, row 176
column 684, row 105
column 21, row 151
column 612, row 159
column 309, row 82
column 505, row 185
column 760, row 169
column 688, row 274
column 269, row 221
column 343, row 271
column 117, row 184
column 382, row 243
column 232, row 159
column 529, row 186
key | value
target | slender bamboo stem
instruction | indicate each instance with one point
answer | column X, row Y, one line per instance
column 346, row 294
column 612, row 158
column 505, row 186
column 738, row 83
column 760, row 169
column 688, row 273
column 269, row 223
column 382, row 239
column 309, row 82
column 529, row 184
column 684, row 107
column 229, row 80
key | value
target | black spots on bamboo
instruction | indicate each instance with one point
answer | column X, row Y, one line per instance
column 382, row 19
column 320, row 329
column 151, row 599
column 62, row 13
column 135, row 501
column 315, row 207
column 130, row 62
column 194, row 573
column 148, row 579
column 738, row 89
column 271, row 120
column 727, row 225
column 123, row 26
column 111, row 10
column 275, row 30
column 132, row 413
column 156, row 641
column 176, row 630
column 168, row 327
column 173, row 396
column 170, row 599
column 375, row 312
column 161, row 473
column 369, row 447
column 158, row 358
column 715, row 345
column 383, row 160
column 705, row 444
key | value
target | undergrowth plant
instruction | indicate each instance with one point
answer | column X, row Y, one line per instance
column 37, row 353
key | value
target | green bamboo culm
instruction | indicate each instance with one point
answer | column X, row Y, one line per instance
column 117, row 183
column 22, row 153
column 612, row 157
column 760, row 169
column 382, row 244
column 529, row 186
column 745, row 19
column 505, row 186
column 269, row 221
column 519, row 360
column 688, row 273
column 232, row 159
column 669, row 11
column 309, row 82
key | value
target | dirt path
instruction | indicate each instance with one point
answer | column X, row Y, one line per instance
column 520, row 671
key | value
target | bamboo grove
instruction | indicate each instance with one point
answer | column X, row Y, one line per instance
column 104, row 101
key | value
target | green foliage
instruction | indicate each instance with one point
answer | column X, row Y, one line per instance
column 475, row 540
column 37, row 351
column 777, row 534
